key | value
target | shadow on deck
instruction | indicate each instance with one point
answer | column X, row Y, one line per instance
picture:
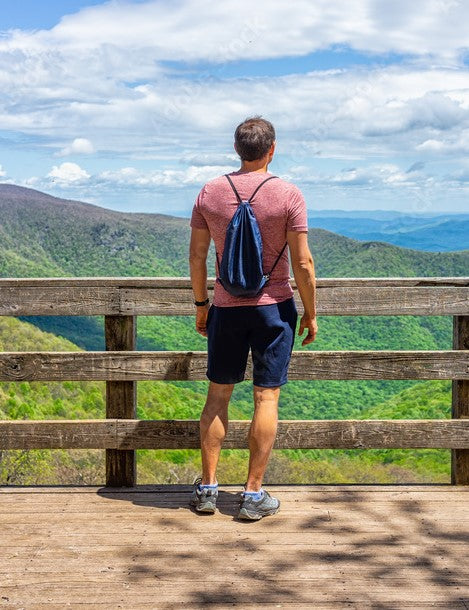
column 353, row 546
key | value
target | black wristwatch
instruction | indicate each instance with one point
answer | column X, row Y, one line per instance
column 201, row 303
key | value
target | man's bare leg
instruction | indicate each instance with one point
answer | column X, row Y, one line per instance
column 262, row 434
column 213, row 428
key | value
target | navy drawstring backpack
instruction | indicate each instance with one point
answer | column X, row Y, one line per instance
column 240, row 270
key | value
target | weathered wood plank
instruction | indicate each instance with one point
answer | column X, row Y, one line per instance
column 97, row 493
column 139, row 366
column 316, row 434
column 228, row 495
column 58, row 434
column 44, row 300
column 288, row 523
column 91, row 535
column 111, row 602
column 340, row 299
column 121, row 401
column 253, row 591
column 184, row 282
column 129, row 434
column 226, row 498
column 460, row 403
column 230, row 571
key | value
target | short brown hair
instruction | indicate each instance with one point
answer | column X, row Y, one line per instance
column 253, row 138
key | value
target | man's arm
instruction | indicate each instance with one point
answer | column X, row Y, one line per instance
column 200, row 242
column 303, row 271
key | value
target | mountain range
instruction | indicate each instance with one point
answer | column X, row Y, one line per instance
column 430, row 232
column 41, row 235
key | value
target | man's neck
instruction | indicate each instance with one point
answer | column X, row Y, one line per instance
column 254, row 166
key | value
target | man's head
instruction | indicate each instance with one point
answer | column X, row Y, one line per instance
column 254, row 138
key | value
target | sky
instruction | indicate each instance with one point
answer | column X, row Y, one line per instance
column 132, row 105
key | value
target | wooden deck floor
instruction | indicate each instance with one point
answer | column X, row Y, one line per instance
column 377, row 547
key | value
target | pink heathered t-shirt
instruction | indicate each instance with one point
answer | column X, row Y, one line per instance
column 279, row 207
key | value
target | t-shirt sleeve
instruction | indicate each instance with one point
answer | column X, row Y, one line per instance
column 198, row 220
column 297, row 216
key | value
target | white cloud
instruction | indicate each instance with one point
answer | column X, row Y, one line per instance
column 123, row 92
column 190, row 176
column 211, row 159
column 375, row 175
column 457, row 143
column 170, row 190
column 156, row 31
column 355, row 111
column 431, row 146
column 2, row 172
column 71, row 175
column 68, row 173
column 79, row 146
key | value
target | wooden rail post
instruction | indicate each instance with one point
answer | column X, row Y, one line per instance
column 121, row 402
column 460, row 403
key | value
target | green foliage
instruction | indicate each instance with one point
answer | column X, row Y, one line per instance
column 68, row 238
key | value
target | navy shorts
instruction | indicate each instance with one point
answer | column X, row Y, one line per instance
column 268, row 330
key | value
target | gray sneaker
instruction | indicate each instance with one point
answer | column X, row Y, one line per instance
column 254, row 510
column 203, row 500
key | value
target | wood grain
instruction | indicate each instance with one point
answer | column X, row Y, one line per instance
column 173, row 296
column 124, row 435
column 139, row 366
column 121, row 401
column 184, row 282
column 44, row 300
column 360, row 548
column 460, row 403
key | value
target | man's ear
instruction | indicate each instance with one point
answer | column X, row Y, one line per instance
column 236, row 150
column 272, row 150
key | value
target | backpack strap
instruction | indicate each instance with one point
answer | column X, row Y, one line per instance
column 261, row 184
column 252, row 196
column 277, row 260
column 234, row 189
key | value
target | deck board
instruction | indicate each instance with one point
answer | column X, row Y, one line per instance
column 363, row 547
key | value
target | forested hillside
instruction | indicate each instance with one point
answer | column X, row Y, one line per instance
column 41, row 235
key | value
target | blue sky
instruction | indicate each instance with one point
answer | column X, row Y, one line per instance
column 132, row 104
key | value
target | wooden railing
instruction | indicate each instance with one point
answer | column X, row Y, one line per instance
column 120, row 300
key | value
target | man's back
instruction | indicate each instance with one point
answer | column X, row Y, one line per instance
column 278, row 206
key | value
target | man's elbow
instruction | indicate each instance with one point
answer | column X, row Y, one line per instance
column 302, row 264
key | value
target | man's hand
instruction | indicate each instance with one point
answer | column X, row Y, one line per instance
column 310, row 324
column 201, row 320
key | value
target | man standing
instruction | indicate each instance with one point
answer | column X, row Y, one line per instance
column 265, row 323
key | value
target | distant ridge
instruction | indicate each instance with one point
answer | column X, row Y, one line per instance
column 43, row 235
column 21, row 195
column 380, row 214
column 431, row 232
